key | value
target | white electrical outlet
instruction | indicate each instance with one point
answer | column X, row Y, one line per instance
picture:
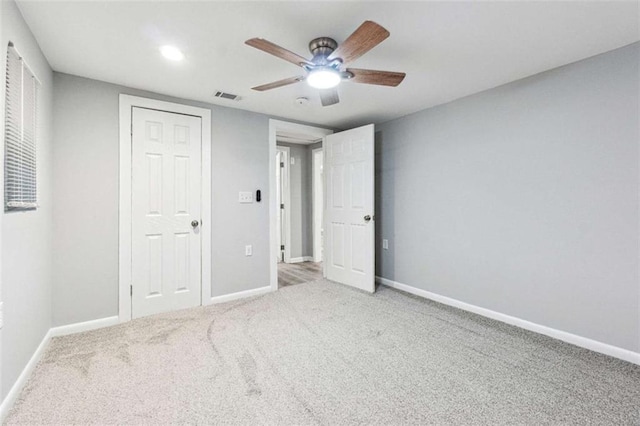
column 385, row 244
column 248, row 250
column 245, row 197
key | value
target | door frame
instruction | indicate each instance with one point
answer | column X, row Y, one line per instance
column 285, row 197
column 317, row 245
column 127, row 103
column 274, row 126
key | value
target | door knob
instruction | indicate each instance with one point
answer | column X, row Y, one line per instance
column 367, row 218
column 195, row 223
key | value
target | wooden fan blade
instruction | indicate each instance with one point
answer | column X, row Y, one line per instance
column 366, row 37
column 278, row 83
column 329, row 96
column 275, row 50
column 381, row 78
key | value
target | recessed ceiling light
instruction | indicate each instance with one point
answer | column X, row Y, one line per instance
column 323, row 78
column 171, row 53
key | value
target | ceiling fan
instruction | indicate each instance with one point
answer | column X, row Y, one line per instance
column 327, row 67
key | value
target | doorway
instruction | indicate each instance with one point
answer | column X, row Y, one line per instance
column 294, row 159
column 294, row 252
column 347, row 229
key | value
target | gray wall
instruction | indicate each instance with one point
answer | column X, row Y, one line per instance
column 523, row 199
column 86, row 193
column 26, row 236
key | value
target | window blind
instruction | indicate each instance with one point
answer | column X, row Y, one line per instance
column 20, row 134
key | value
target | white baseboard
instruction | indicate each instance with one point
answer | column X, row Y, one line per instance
column 301, row 259
column 594, row 345
column 241, row 295
column 15, row 390
column 84, row 326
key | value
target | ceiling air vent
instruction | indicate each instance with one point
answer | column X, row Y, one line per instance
column 225, row 95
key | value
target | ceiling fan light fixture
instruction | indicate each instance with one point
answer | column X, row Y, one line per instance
column 323, row 78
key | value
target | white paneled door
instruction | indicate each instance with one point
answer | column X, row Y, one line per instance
column 349, row 227
column 166, row 206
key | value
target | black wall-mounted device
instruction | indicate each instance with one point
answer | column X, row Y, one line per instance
column 258, row 196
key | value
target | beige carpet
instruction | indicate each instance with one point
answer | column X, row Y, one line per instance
column 321, row 353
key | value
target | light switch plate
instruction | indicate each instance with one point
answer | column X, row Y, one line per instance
column 248, row 250
column 293, row 161
column 385, row 244
column 245, row 197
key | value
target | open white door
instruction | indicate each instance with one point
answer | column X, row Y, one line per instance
column 349, row 230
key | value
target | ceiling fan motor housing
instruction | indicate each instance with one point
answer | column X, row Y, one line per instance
column 321, row 48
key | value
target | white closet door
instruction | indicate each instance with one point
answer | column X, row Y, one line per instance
column 166, row 207
column 349, row 254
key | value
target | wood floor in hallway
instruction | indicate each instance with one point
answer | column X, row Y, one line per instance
column 298, row 273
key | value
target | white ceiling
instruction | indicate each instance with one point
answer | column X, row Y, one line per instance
column 448, row 49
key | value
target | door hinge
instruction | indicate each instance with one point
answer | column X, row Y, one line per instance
column 282, row 206
column 282, row 164
column 281, row 247
column 131, row 290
